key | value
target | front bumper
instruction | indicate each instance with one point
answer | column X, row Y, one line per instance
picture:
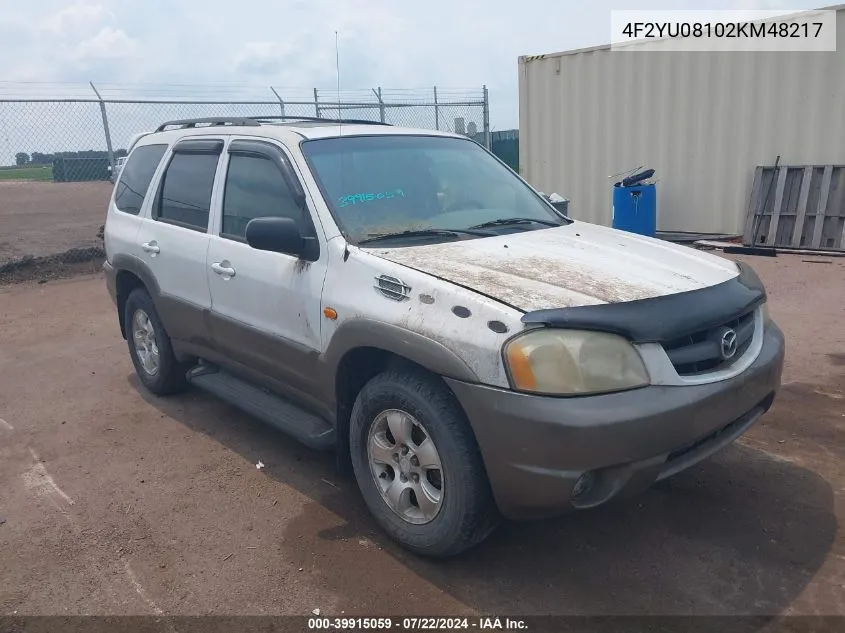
column 535, row 448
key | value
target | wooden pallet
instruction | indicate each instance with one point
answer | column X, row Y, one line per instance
column 799, row 206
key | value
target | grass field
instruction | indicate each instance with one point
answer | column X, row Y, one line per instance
column 36, row 172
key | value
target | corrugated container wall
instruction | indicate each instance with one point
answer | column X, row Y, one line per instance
column 703, row 120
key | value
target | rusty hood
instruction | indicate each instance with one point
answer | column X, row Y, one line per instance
column 572, row 265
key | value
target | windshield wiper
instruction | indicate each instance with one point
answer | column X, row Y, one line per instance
column 375, row 237
column 507, row 221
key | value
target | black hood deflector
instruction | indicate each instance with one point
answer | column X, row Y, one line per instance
column 665, row 318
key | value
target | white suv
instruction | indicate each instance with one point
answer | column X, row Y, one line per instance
column 403, row 297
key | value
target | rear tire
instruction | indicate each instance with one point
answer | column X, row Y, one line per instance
column 404, row 424
column 150, row 347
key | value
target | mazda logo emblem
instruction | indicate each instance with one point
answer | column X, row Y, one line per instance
column 727, row 344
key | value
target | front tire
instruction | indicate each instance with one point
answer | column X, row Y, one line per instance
column 150, row 347
column 418, row 466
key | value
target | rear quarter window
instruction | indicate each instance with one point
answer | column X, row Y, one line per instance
column 135, row 177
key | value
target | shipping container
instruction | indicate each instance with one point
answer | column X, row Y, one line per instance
column 702, row 120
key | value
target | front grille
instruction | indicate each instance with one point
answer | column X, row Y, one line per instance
column 740, row 424
column 707, row 439
column 701, row 351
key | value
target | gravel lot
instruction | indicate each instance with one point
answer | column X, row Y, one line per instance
column 43, row 218
column 119, row 503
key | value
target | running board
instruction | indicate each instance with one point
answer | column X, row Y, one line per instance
column 268, row 407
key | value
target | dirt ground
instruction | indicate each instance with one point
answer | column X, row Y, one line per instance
column 43, row 218
column 116, row 502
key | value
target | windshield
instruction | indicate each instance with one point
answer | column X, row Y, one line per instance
column 376, row 186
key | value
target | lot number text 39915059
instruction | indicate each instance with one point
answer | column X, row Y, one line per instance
column 417, row 624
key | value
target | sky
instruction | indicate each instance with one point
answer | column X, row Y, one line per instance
column 216, row 49
column 291, row 43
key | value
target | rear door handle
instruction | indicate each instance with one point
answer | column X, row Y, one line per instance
column 151, row 247
column 222, row 269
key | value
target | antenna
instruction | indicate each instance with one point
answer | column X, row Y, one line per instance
column 337, row 71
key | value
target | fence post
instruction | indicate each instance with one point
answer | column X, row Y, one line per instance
column 436, row 111
column 281, row 101
column 380, row 103
column 105, row 126
column 487, row 139
column 316, row 104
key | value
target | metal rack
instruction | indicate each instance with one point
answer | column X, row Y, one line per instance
column 256, row 121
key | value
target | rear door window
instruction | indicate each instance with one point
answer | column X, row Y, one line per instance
column 135, row 178
column 187, row 184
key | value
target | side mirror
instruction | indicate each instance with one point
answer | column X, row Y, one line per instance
column 279, row 235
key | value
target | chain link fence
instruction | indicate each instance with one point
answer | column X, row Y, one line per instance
column 57, row 155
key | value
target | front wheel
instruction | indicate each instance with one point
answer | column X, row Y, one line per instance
column 418, row 465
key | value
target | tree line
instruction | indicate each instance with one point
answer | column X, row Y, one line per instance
column 39, row 158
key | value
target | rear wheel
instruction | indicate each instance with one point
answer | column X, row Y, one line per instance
column 418, row 466
column 150, row 347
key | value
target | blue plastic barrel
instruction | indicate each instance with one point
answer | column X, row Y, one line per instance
column 635, row 209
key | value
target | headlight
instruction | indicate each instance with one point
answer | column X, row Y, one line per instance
column 573, row 362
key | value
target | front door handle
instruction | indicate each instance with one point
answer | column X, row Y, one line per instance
column 223, row 269
column 151, row 247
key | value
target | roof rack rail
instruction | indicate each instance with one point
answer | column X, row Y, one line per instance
column 211, row 121
column 317, row 119
column 254, row 121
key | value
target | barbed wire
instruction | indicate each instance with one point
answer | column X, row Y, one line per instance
column 36, row 90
